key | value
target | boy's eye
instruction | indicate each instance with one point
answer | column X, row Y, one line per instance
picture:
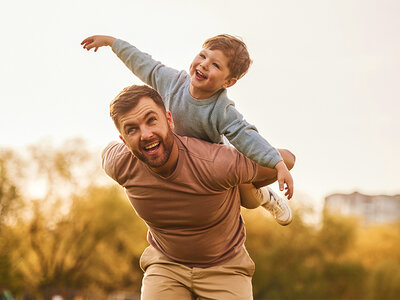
column 216, row 65
column 202, row 55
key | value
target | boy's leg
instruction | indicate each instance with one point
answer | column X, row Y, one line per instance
column 278, row 207
column 253, row 195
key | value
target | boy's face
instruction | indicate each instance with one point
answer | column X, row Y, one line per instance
column 209, row 73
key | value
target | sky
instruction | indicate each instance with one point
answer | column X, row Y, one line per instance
column 324, row 83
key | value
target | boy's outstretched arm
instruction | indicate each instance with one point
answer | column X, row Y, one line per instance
column 97, row 41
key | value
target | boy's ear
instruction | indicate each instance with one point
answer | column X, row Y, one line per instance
column 229, row 82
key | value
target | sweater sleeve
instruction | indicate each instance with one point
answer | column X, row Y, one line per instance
column 245, row 137
column 150, row 71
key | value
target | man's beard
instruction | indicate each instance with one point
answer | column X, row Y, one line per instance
column 166, row 144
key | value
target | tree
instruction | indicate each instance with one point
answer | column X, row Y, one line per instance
column 10, row 206
column 10, row 198
column 96, row 245
column 77, row 236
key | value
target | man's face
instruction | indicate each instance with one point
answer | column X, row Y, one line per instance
column 147, row 131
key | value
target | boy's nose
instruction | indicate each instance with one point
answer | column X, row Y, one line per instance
column 204, row 65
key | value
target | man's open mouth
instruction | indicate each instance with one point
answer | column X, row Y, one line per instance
column 152, row 147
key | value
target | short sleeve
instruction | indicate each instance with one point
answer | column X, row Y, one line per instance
column 232, row 167
column 109, row 158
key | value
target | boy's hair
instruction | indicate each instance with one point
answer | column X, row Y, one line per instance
column 235, row 49
column 129, row 97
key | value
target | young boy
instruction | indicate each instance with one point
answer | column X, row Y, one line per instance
column 200, row 108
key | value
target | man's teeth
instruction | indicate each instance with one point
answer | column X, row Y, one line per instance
column 151, row 146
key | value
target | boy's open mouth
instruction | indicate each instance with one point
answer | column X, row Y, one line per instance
column 200, row 75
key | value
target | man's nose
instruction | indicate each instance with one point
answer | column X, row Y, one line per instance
column 146, row 132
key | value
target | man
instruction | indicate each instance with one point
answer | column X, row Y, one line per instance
column 186, row 191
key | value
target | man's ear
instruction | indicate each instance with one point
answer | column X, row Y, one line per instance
column 229, row 82
column 122, row 139
column 170, row 120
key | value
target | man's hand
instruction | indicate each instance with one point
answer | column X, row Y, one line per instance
column 284, row 177
column 97, row 41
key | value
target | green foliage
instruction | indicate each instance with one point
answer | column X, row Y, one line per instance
column 10, row 199
column 385, row 280
column 85, row 238
column 82, row 238
column 304, row 262
column 96, row 245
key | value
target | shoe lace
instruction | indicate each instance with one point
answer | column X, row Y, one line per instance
column 277, row 208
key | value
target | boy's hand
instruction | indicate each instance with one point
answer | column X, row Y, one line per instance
column 284, row 177
column 97, row 41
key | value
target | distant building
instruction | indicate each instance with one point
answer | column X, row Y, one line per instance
column 373, row 209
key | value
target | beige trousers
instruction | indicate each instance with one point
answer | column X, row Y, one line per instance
column 165, row 279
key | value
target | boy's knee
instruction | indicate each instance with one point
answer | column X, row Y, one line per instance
column 288, row 157
column 292, row 160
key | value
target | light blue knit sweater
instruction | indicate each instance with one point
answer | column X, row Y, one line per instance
column 206, row 119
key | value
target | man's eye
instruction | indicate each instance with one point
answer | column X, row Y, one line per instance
column 202, row 55
column 152, row 119
column 131, row 130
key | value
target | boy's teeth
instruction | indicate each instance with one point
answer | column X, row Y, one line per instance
column 201, row 74
column 151, row 146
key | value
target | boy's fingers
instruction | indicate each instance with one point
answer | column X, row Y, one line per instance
column 87, row 41
column 281, row 184
column 290, row 190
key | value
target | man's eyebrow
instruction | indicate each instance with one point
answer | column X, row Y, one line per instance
column 148, row 114
column 130, row 124
column 135, row 123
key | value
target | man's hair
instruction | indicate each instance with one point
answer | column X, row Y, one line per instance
column 236, row 51
column 129, row 97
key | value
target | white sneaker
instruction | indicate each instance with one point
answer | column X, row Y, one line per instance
column 279, row 208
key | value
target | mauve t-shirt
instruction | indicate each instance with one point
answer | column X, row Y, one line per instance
column 193, row 215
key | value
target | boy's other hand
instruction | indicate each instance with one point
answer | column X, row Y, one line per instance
column 284, row 178
column 97, row 41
